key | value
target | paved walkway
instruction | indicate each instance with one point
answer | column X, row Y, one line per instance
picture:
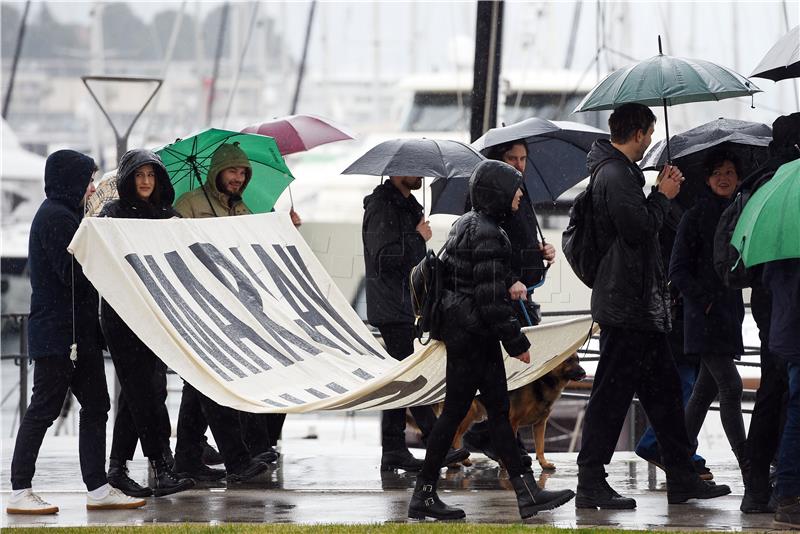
column 335, row 478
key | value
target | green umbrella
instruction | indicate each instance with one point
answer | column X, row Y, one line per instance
column 666, row 80
column 769, row 226
column 187, row 161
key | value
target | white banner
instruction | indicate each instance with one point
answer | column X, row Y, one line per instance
column 241, row 308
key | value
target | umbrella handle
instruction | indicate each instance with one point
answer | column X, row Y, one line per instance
column 291, row 198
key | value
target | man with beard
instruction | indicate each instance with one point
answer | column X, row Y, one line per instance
column 394, row 232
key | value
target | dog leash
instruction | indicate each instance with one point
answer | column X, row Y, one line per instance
column 538, row 284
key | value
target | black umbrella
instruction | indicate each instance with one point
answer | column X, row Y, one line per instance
column 556, row 160
column 782, row 61
column 417, row 157
column 749, row 141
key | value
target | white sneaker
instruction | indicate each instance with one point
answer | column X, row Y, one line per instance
column 115, row 500
column 29, row 503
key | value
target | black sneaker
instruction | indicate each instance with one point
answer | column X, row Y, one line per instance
column 269, row 456
column 595, row 492
column 454, row 456
column 788, row 512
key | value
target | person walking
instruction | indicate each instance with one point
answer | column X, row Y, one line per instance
column 145, row 192
column 477, row 318
column 783, row 279
column 712, row 313
column 394, row 232
column 65, row 343
column 766, row 421
column 242, row 437
column 529, row 256
column 687, row 364
column 630, row 303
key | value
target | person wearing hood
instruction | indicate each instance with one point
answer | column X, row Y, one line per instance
column 630, row 302
column 394, row 232
column 145, row 192
column 766, row 422
column 64, row 342
column 528, row 259
column 243, row 438
column 712, row 313
column 477, row 318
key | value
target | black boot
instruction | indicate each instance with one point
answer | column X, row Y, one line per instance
column 165, row 482
column 118, row 478
column 199, row 472
column 247, row 471
column 740, row 451
column 757, row 502
column 400, row 459
column 455, row 456
column 684, row 486
column 594, row 491
column 211, row 456
column 426, row 503
column 532, row 499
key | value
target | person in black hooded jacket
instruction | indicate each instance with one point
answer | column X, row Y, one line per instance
column 630, row 301
column 394, row 232
column 145, row 192
column 64, row 341
column 478, row 317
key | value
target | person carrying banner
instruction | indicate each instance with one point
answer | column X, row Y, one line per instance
column 238, row 434
column 145, row 192
column 65, row 343
column 477, row 318
column 394, row 232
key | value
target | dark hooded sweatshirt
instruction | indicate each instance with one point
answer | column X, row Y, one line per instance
column 50, row 333
column 630, row 290
column 392, row 247
column 477, row 262
column 130, row 206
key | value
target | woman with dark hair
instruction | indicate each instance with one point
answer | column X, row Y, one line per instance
column 712, row 312
column 145, row 192
column 477, row 318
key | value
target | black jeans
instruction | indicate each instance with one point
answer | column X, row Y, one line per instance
column 142, row 399
column 399, row 340
column 225, row 426
column 473, row 363
column 766, row 422
column 123, row 442
column 53, row 377
column 640, row 362
column 718, row 374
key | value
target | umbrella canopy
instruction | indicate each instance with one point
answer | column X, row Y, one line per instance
column 417, row 157
column 782, row 61
column 769, row 227
column 749, row 141
column 667, row 80
column 556, row 160
column 298, row 133
column 187, row 162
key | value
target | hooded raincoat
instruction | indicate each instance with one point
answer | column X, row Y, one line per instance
column 55, row 277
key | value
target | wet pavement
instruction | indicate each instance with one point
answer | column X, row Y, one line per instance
column 335, row 478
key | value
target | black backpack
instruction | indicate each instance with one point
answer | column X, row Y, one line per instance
column 579, row 241
column 728, row 262
column 425, row 284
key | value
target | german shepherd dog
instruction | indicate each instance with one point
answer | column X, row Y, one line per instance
column 529, row 405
